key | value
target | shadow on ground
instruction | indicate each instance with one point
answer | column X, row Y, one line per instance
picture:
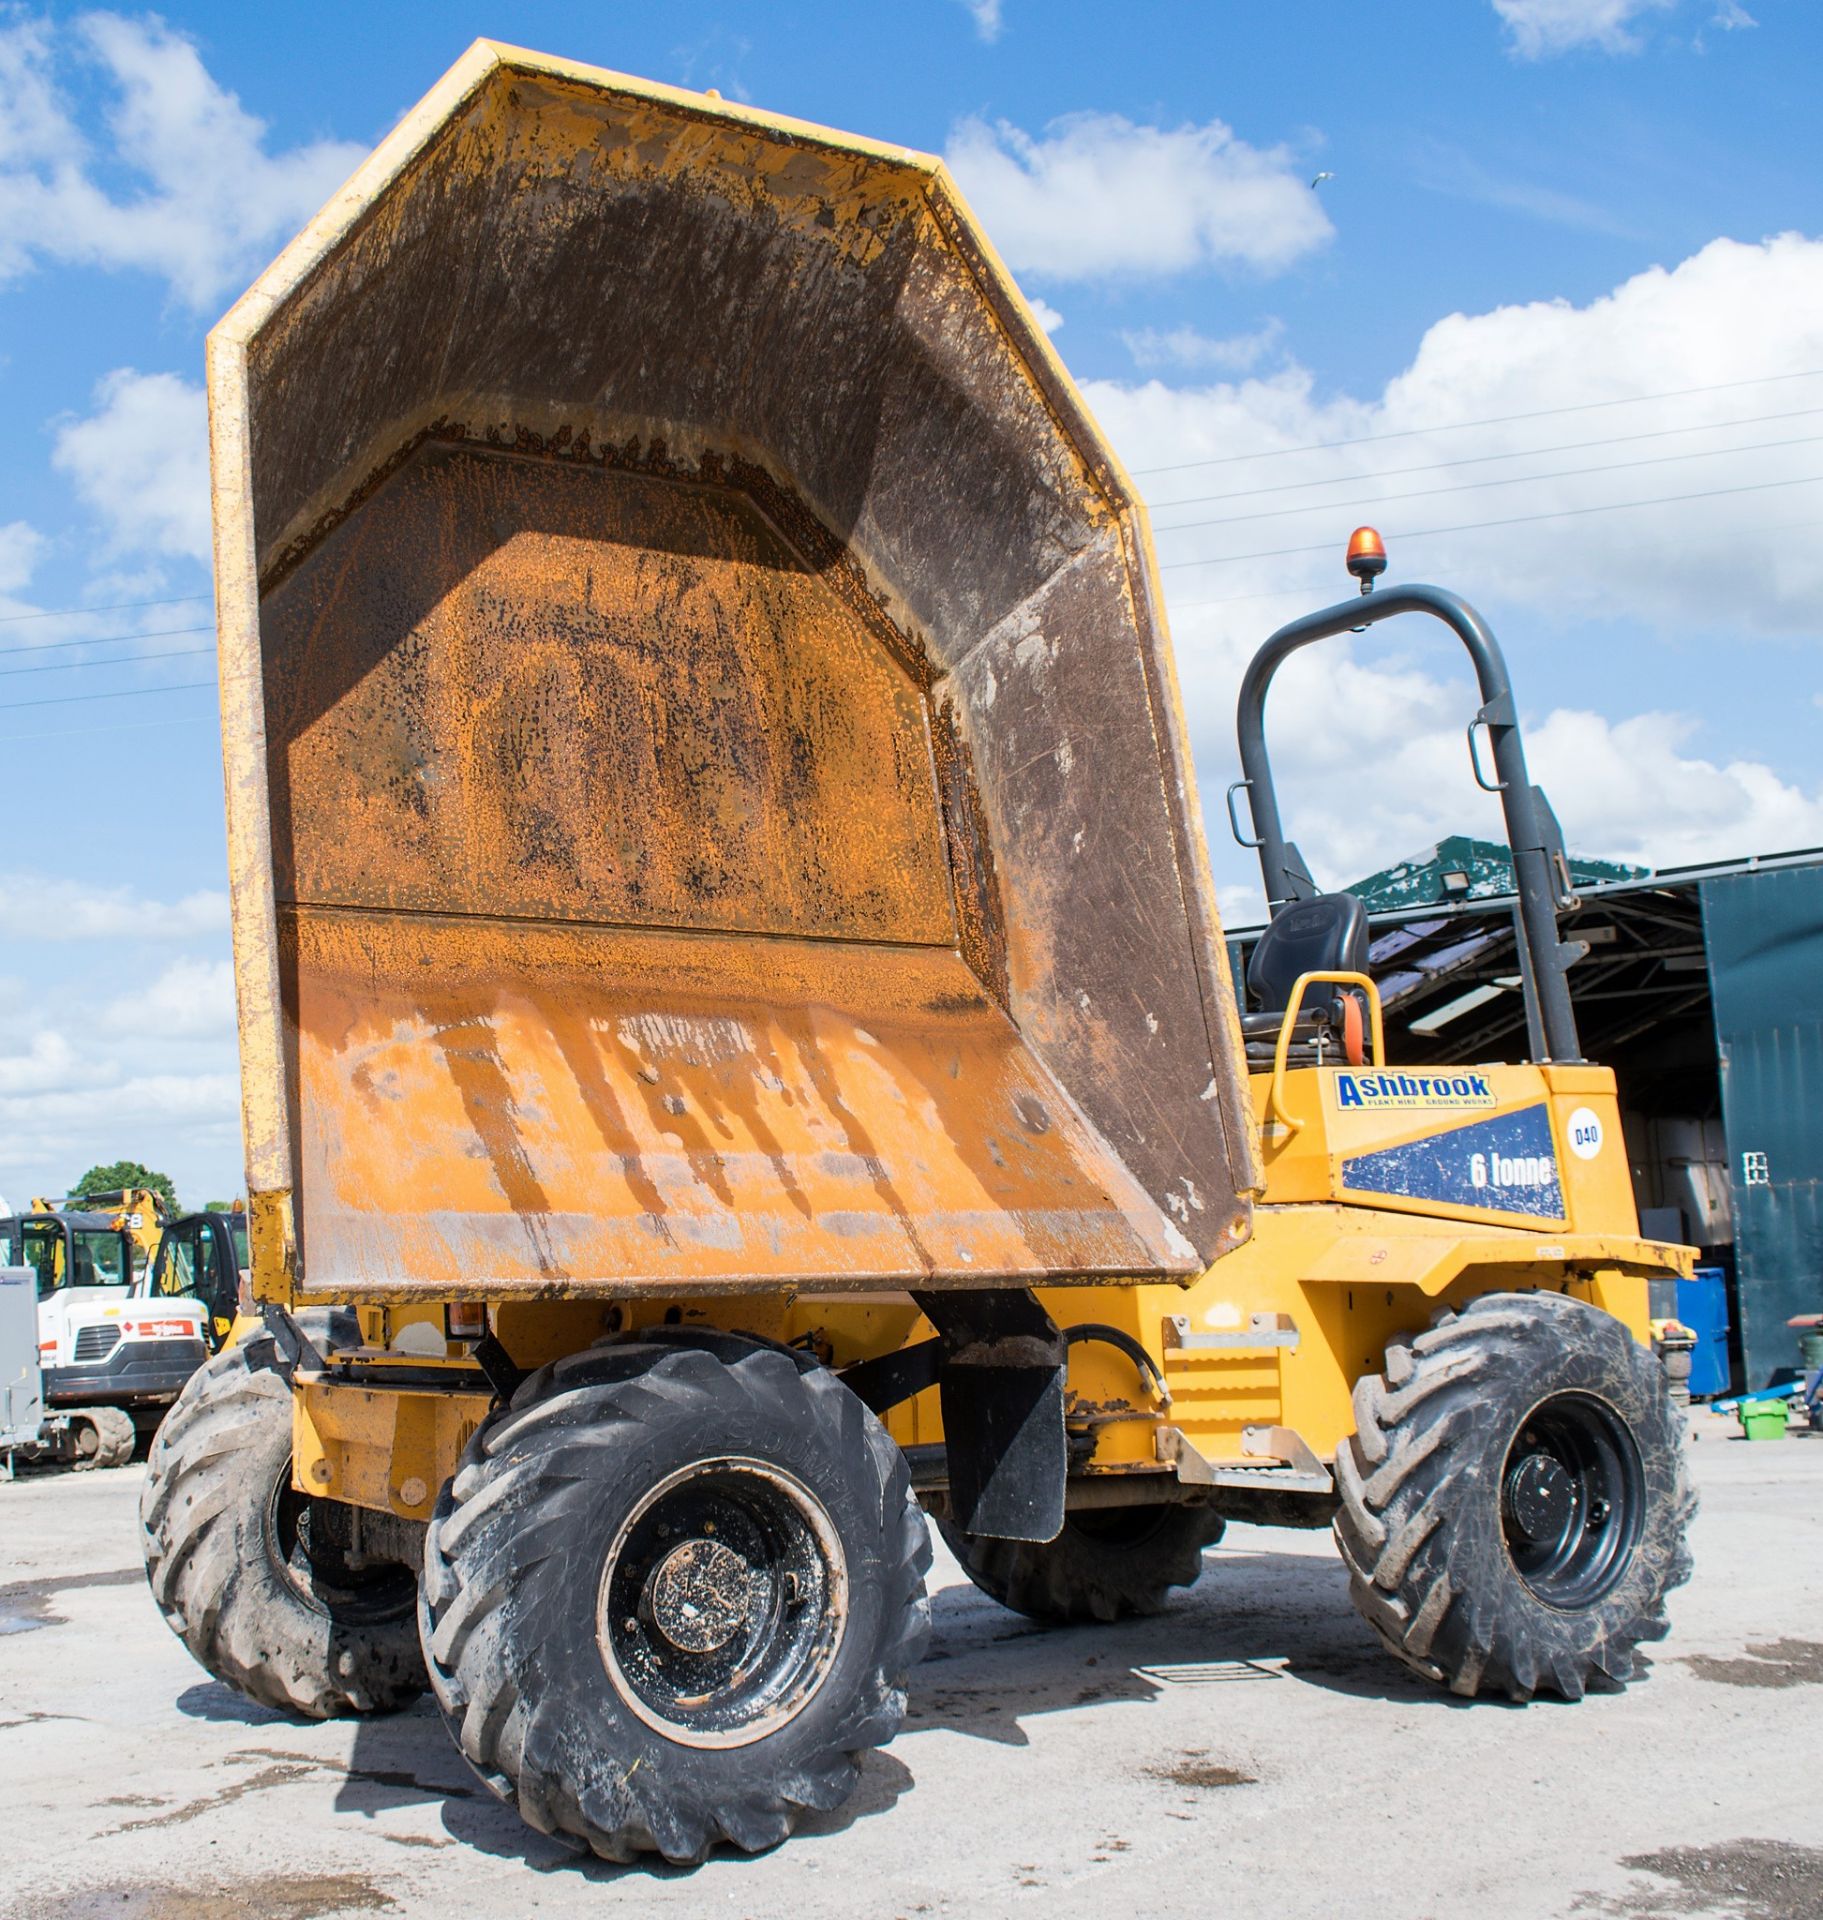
column 1256, row 1618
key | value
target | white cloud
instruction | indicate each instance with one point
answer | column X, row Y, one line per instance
column 191, row 1000
column 53, row 908
column 141, row 461
column 1731, row 311
column 1731, row 17
column 35, row 130
column 986, row 16
column 202, row 202
column 185, row 1124
column 21, row 548
column 48, row 1061
column 80, row 1084
column 1187, row 348
column 1539, row 28
column 1044, row 313
column 1097, row 195
column 1638, row 786
column 1635, row 795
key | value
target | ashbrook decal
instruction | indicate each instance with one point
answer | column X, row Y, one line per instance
column 1504, row 1165
column 1413, row 1090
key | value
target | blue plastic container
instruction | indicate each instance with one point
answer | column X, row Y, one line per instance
column 1702, row 1305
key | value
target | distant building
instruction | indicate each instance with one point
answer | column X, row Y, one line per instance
column 1461, row 868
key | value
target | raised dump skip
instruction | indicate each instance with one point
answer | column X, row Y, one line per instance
column 707, row 802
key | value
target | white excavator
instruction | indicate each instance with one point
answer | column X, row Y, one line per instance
column 112, row 1352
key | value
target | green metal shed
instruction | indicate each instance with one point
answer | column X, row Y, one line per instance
column 1763, row 932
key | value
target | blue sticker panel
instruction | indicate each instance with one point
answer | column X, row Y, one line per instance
column 1507, row 1165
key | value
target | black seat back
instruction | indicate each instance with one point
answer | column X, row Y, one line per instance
column 1327, row 934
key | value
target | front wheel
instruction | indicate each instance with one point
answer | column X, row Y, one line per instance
column 1515, row 1498
column 672, row 1593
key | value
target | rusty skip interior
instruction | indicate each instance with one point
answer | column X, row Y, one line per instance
column 717, row 813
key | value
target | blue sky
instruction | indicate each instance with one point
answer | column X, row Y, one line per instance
column 1567, row 277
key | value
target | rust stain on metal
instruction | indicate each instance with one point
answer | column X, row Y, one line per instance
column 510, row 687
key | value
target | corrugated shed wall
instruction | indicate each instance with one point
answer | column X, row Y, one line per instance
column 1764, row 934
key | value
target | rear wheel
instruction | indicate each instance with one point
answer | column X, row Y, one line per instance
column 268, row 1587
column 1514, row 1501
column 1108, row 1563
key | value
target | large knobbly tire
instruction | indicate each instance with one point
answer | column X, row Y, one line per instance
column 253, row 1577
column 1109, row 1563
column 672, row 1593
column 1514, row 1501
column 101, row 1437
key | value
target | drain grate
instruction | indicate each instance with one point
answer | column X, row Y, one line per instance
column 1210, row 1673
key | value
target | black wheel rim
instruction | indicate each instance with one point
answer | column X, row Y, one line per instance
column 723, row 1602
column 312, row 1545
column 1572, row 1499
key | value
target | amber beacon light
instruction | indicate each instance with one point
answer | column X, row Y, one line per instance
column 1366, row 556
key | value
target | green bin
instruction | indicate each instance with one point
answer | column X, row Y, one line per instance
column 1765, row 1419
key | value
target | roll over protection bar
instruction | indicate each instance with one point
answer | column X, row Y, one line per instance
column 1541, row 873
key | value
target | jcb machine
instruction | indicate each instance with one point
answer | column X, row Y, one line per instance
column 202, row 1257
column 113, row 1358
column 738, row 1051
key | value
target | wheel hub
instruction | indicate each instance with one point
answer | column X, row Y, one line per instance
column 723, row 1602
column 1572, row 1499
column 699, row 1594
column 1540, row 1496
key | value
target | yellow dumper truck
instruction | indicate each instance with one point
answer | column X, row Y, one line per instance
column 738, row 1050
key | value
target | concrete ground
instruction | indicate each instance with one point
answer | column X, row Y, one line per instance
column 1252, row 1753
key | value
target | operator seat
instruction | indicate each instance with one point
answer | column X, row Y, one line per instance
column 1325, row 934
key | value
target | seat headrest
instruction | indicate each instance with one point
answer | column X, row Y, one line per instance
column 1327, row 934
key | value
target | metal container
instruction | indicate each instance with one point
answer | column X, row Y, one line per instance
column 21, row 1383
column 708, row 805
column 1702, row 1305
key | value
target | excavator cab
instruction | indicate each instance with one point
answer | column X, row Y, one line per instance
column 200, row 1256
column 68, row 1249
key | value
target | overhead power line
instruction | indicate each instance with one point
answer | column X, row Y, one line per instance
column 1482, row 460
column 123, row 606
column 1462, row 426
column 1517, row 520
column 124, row 726
column 101, row 640
column 1477, row 486
column 122, row 693
column 77, row 666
